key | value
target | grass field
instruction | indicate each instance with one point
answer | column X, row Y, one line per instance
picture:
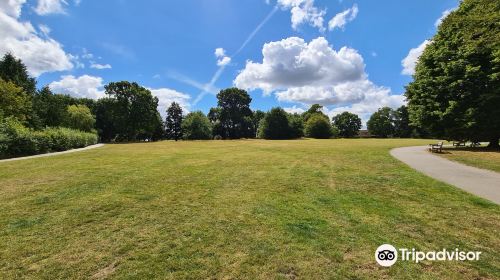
column 305, row 209
column 477, row 157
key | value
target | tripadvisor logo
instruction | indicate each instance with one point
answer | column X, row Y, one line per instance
column 387, row 255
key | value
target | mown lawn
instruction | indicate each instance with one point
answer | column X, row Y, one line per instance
column 305, row 209
column 480, row 157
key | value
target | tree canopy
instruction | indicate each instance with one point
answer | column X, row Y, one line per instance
column 318, row 126
column 196, row 126
column 233, row 114
column 380, row 123
column 456, row 89
column 173, row 122
column 348, row 124
column 79, row 117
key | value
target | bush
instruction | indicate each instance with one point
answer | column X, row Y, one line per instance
column 318, row 126
column 17, row 140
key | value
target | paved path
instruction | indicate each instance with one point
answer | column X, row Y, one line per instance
column 483, row 183
column 54, row 154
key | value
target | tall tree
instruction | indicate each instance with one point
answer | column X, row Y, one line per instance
column 132, row 111
column 14, row 70
column 456, row 89
column 14, row 102
column 173, row 122
column 348, row 124
column 401, row 120
column 235, row 115
column 381, row 123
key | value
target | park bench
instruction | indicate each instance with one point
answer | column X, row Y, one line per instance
column 475, row 144
column 436, row 148
column 458, row 144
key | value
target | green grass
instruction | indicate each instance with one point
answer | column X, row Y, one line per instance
column 306, row 209
column 478, row 157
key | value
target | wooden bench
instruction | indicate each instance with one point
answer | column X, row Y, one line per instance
column 436, row 148
column 458, row 144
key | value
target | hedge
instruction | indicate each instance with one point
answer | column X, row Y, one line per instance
column 17, row 140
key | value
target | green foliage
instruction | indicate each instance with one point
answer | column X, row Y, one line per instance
column 233, row 115
column 13, row 70
column 14, row 102
column 80, row 118
column 401, row 120
column 129, row 114
column 318, row 126
column 173, row 122
column 51, row 109
column 296, row 123
column 315, row 109
column 18, row 140
column 257, row 116
column 455, row 93
column 348, row 124
column 275, row 125
column 196, row 126
column 380, row 123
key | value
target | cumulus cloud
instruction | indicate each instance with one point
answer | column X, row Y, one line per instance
column 82, row 87
column 166, row 96
column 292, row 63
column 40, row 53
column 46, row 7
column 341, row 19
column 12, row 7
column 99, row 66
column 410, row 61
column 443, row 16
column 304, row 11
column 309, row 73
column 222, row 58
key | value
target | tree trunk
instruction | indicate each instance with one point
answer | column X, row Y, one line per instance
column 494, row 143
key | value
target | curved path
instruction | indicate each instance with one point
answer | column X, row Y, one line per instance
column 54, row 154
column 483, row 183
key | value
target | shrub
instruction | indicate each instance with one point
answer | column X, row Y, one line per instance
column 17, row 140
column 318, row 126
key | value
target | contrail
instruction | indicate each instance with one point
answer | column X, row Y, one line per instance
column 219, row 72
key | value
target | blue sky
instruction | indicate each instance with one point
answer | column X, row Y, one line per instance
column 170, row 47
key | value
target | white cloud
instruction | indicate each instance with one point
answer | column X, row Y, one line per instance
column 292, row 63
column 309, row 73
column 44, row 29
column 99, row 66
column 443, row 16
column 222, row 58
column 410, row 61
column 40, row 54
column 12, row 7
column 341, row 19
column 166, row 96
column 304, row 11
column 82, row 87
column 46, row 7
column 294, row 109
